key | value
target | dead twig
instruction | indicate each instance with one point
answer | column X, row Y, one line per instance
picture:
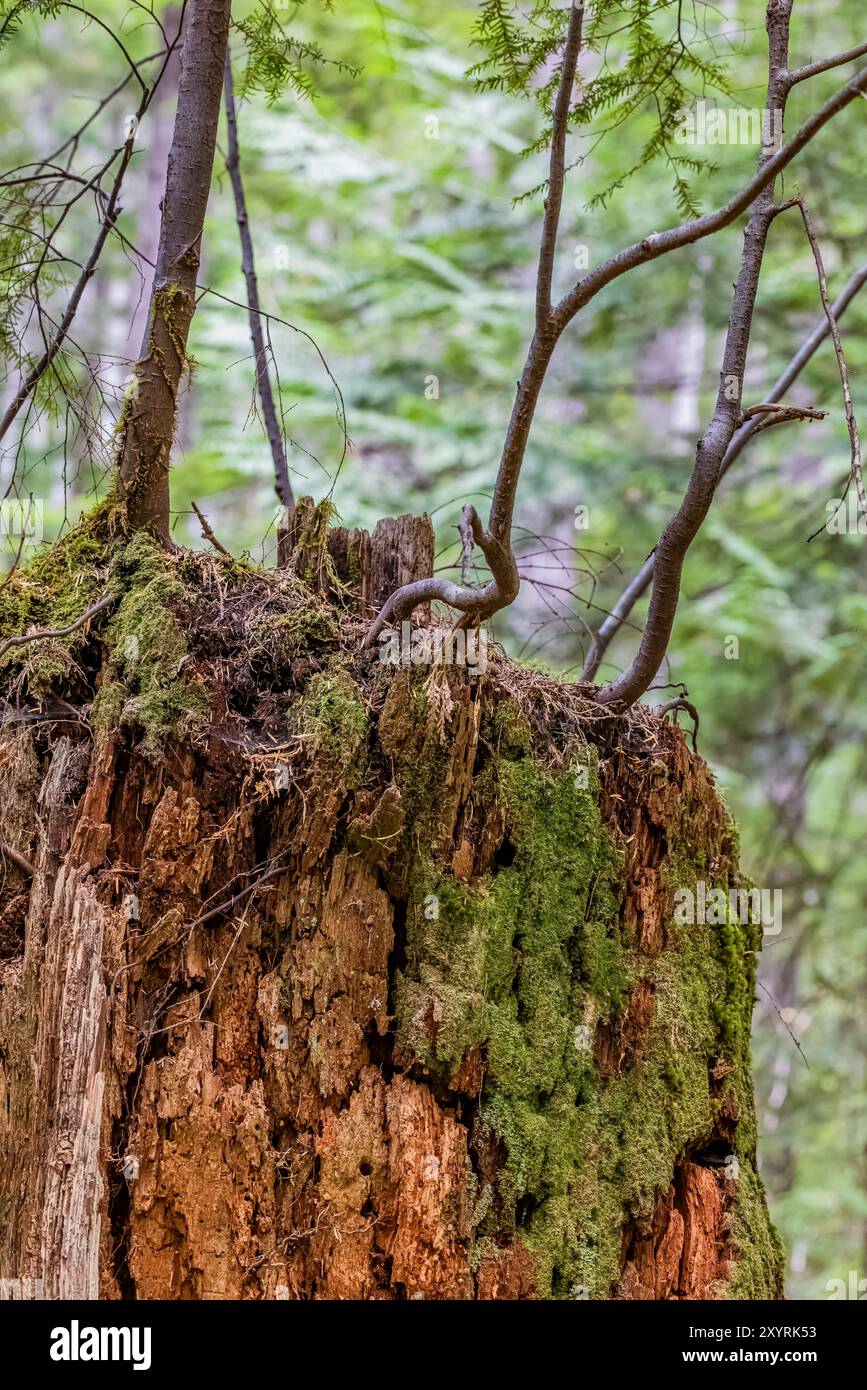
column 785, row 412
column 779, row 1014
column 851, row 422
column 44, row 634
column 681, row 703
column 17, row 859
column 239, row 897
column 208, row 533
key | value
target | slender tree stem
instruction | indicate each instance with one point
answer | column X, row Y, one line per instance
column 248, row 265
column 687, row 520
column 149, row 414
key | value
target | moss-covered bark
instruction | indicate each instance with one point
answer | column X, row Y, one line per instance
column 338, row 980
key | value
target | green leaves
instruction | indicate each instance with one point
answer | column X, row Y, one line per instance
column 649, row 60
column 515, row 52
column 11, row 15
column 277, row 62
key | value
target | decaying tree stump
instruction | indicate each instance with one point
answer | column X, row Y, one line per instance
column 337, row 980
column 363, row 570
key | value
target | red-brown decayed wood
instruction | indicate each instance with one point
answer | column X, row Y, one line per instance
column 223, row 990
column 682, row 1251
column 509, row 1274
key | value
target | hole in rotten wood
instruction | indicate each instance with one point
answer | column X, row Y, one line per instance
column 505, row 855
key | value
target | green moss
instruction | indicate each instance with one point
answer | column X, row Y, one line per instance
column 333, row 719
column 507, row 729
column 414, row 750
column 354, row 567
column 145, row 685
column 312, row 524
column 528, row 964
column 52, row 590
column 758, row 1249
column 148, row 650
column 309, row 624
column 499, row 966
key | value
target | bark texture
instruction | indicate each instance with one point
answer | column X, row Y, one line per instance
column 341, row 980
column 148, row 423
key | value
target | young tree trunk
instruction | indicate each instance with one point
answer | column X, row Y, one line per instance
column 150, row 412
column 370, row 984
column 273, row 427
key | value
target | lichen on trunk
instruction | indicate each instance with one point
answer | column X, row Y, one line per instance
column 341, row 980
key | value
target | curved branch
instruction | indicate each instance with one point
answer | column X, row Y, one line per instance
column 659, row 243
column 685, row 524
column 641, row 580
column 683, row 527
column 826, row 64
column 499, row 592
column 94, row 19
column 43, row 634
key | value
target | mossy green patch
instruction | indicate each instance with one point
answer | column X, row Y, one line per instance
column 148, row 649
column 527, row 964
column 311, row 623
column 145, row 684
column 52, row 590
column 333, row 719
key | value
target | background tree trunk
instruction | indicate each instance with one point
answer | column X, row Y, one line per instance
column 371, row 988
column 149, row 415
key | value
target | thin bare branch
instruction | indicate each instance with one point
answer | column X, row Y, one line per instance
column 826, row 64
column 208, row 533
column 44, row 634
column 17, row 859
column 641, row 580
column 851, row 422
column 658, row 244
column 557, row 171
column 248, row 265
column 110, row 214
column 684, row 526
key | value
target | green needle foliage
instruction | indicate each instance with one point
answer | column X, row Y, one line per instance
column 645, row 58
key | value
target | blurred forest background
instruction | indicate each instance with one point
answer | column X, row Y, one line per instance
column 388, row 223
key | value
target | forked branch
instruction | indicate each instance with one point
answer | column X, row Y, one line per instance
column 642, row 579
column 684, row 526
column 551, row 321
